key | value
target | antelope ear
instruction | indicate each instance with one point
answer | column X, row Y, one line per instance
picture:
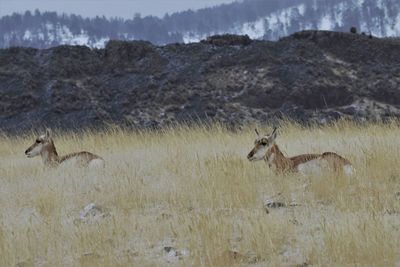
column 48, row 133
column 258, row 134
column 274, row 134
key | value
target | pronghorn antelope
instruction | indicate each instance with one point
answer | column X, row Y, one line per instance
column 44, row 146
column 266, row 148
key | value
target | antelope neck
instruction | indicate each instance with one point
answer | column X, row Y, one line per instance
column 49, row 154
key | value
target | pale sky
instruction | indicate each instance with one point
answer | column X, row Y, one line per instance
column 109, row 8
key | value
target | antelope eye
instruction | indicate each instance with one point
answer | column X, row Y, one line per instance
column 38, row 141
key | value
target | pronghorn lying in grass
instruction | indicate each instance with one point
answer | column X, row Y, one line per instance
column 44, row 146
column 266, row 148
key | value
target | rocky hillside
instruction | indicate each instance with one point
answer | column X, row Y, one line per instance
column 308, row 76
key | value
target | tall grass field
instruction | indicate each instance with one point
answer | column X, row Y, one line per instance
column 188, row 196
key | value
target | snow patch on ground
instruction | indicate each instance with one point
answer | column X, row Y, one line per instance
column 254, row 29
column 192, row 37
column 326, row 23
column 27, row 35
column 62, row 34
column 302, row 9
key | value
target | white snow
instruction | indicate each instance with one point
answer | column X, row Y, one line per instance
column 279, row 21
column 100, row 43
column 49, row 26
column 276, row 23
column 326, row 23
column 397, row 25
column 40, row 35
column 27, row 35
column 302, row 9
column 191, row 37
column 254, row 29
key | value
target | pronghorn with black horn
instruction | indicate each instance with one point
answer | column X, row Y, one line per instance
column 266, row 148
column 44, row 146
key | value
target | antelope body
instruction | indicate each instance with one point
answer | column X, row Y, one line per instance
column 266, row 148
column 44, row 146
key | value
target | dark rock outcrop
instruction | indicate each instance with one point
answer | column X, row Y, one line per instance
column 309, row 76
column 227, row 39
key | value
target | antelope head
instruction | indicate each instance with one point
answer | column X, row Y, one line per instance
column 261, row 145
column 41, row 143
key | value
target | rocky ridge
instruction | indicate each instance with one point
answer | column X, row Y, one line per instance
column 310, row 76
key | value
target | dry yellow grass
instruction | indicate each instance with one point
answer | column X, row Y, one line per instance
column 192, row 189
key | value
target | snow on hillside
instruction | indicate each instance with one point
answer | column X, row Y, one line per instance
column 380, row 18
column 255, row 29
column 278, row 23
column 63, row 35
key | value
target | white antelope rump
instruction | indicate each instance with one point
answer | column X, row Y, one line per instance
column 266, row 148
column 44, row 146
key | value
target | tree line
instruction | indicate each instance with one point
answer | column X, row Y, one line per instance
column 45, row 29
